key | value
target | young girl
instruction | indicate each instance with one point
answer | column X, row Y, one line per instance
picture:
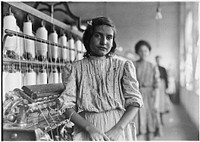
column 101, row 94
column 148, row 77
column 164, row 102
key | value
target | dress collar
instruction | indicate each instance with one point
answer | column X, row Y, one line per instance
column 97, row 58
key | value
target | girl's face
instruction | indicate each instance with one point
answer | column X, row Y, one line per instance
column 101, row 41
column 143, row 52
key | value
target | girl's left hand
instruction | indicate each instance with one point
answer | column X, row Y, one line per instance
column 114, row 133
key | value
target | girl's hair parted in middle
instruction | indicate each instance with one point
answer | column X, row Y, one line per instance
column 99, row 21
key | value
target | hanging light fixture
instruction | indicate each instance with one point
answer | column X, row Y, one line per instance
column 158, row 12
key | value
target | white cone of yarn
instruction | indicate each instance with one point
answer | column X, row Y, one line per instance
column 30, row 78
column 63, row 50
column 11, row 81
column 41, row 48
column 78, row 44
column 53, row 50
column 19, row 44
column 50, row 77
column 60, row 77
column 71, row 46
column 67, row 52
column 53, row 76
column 29, row 45
column 19, row 75
column 9, row 22
column 21, row 48
column 42, row 77
column 4, row 74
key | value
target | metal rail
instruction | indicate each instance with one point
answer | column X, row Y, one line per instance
column 28, row 9
column 14, row 33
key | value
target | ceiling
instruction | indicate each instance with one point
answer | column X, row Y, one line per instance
column 60, row 10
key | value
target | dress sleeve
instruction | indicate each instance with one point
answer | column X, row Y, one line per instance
column 156, row 80
column 68, row 96
column 166, row 78
column 130, row 86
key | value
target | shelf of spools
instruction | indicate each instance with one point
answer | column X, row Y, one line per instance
column 41, row 31
column 21, row 10
column 10, row 33
column 26, row 47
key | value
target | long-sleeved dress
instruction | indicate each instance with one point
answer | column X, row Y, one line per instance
column 100, row 89
column 164, row 102
column 148, row 78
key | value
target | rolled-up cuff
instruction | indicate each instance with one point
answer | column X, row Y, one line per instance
column 134, row 102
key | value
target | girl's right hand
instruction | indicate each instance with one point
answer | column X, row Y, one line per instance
column 97, row 135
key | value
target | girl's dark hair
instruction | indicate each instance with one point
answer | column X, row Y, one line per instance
column 140, row 43
column 91, row 29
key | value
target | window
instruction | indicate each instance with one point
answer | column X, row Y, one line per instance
column 189, row 53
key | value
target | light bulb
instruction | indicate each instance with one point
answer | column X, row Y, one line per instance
column 158, row 14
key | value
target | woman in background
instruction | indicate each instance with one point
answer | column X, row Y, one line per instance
column 148, row 122
column 101, row 94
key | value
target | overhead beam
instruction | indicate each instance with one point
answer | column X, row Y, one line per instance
column 43, row 16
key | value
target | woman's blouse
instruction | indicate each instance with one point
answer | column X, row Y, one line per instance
column 100, row 84
column 147, row 74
